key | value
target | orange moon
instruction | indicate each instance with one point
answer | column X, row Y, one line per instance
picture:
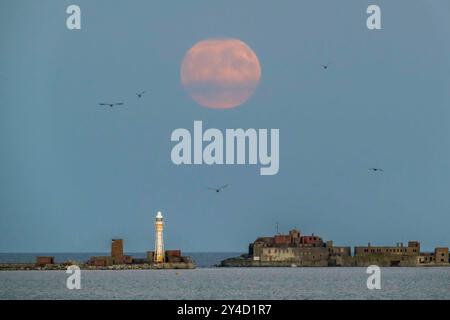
column 220, row 73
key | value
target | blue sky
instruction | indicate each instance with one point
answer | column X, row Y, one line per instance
column 74, row 175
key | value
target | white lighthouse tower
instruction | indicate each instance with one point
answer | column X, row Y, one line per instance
column 159, row 241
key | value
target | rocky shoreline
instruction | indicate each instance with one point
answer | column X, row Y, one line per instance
column 245, row 261
column 83, row 266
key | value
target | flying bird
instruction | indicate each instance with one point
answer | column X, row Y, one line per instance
column 219, row 189
column 325, row 66
column 376, row 169
column 140, row 94
column 112, row 104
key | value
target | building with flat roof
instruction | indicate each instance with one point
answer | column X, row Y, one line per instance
column 42, row 261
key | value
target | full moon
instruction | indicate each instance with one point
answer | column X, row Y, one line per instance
column 220, row 73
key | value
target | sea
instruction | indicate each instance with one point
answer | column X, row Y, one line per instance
column 210, row 282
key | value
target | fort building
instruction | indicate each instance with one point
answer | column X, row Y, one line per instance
column 413, row 249
column 295, row 249
column 441, row 255
column 387, row 256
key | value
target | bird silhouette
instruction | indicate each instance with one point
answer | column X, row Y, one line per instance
column 112, row 104
column 140, row 94
column 325, row 66
column 376, row 169
column 219, row 189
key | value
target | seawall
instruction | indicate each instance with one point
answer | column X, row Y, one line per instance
column 360, row 261
column 82, row 266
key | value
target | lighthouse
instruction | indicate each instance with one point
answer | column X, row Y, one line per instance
column 159, row 241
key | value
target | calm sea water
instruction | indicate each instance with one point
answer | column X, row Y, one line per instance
column 229, row 283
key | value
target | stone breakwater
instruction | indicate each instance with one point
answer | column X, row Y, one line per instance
column 82, row 266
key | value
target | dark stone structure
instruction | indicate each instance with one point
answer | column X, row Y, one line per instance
column 42, row 261
column 117, row 251
column 117, row 258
